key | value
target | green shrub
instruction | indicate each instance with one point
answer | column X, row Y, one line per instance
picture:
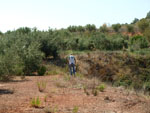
column 36, row 102
column 138, row 42
column 104, row 42
column 143, row 24
column 130, row 28
column 147, row 86
column 75, row 109
column 124, row 80
column 145, row 51
column 116, row 27
column 101, row 87
column 10, row 66
column 147, row 33
column 42, row 70
column 41, row 86
column 90, row 27
column 24, row 52
column 94, row 92
column 83, row 44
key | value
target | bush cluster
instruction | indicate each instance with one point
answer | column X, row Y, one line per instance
column 22, row 50
column 19, row 55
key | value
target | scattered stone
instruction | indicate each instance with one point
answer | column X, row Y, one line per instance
column 108, row 99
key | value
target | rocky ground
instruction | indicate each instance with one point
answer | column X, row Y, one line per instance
column 66, row 95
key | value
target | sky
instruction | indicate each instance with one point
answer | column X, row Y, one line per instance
column 45, row 14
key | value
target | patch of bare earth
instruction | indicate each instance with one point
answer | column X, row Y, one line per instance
column 64, row 95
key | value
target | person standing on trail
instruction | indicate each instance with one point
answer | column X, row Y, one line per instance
column 72, row 62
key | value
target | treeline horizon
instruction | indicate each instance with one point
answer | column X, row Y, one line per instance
column 23, row 50
column 92, row 27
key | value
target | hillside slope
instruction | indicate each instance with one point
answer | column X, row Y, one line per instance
column 119, row 68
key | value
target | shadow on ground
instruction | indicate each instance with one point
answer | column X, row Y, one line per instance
column 6, row 91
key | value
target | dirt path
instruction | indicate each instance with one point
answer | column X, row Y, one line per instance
column 65, row 96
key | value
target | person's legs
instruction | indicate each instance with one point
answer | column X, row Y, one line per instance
column 70, row 69
column 74, row 71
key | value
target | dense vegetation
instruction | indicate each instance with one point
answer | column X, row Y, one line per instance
column 23, row 50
